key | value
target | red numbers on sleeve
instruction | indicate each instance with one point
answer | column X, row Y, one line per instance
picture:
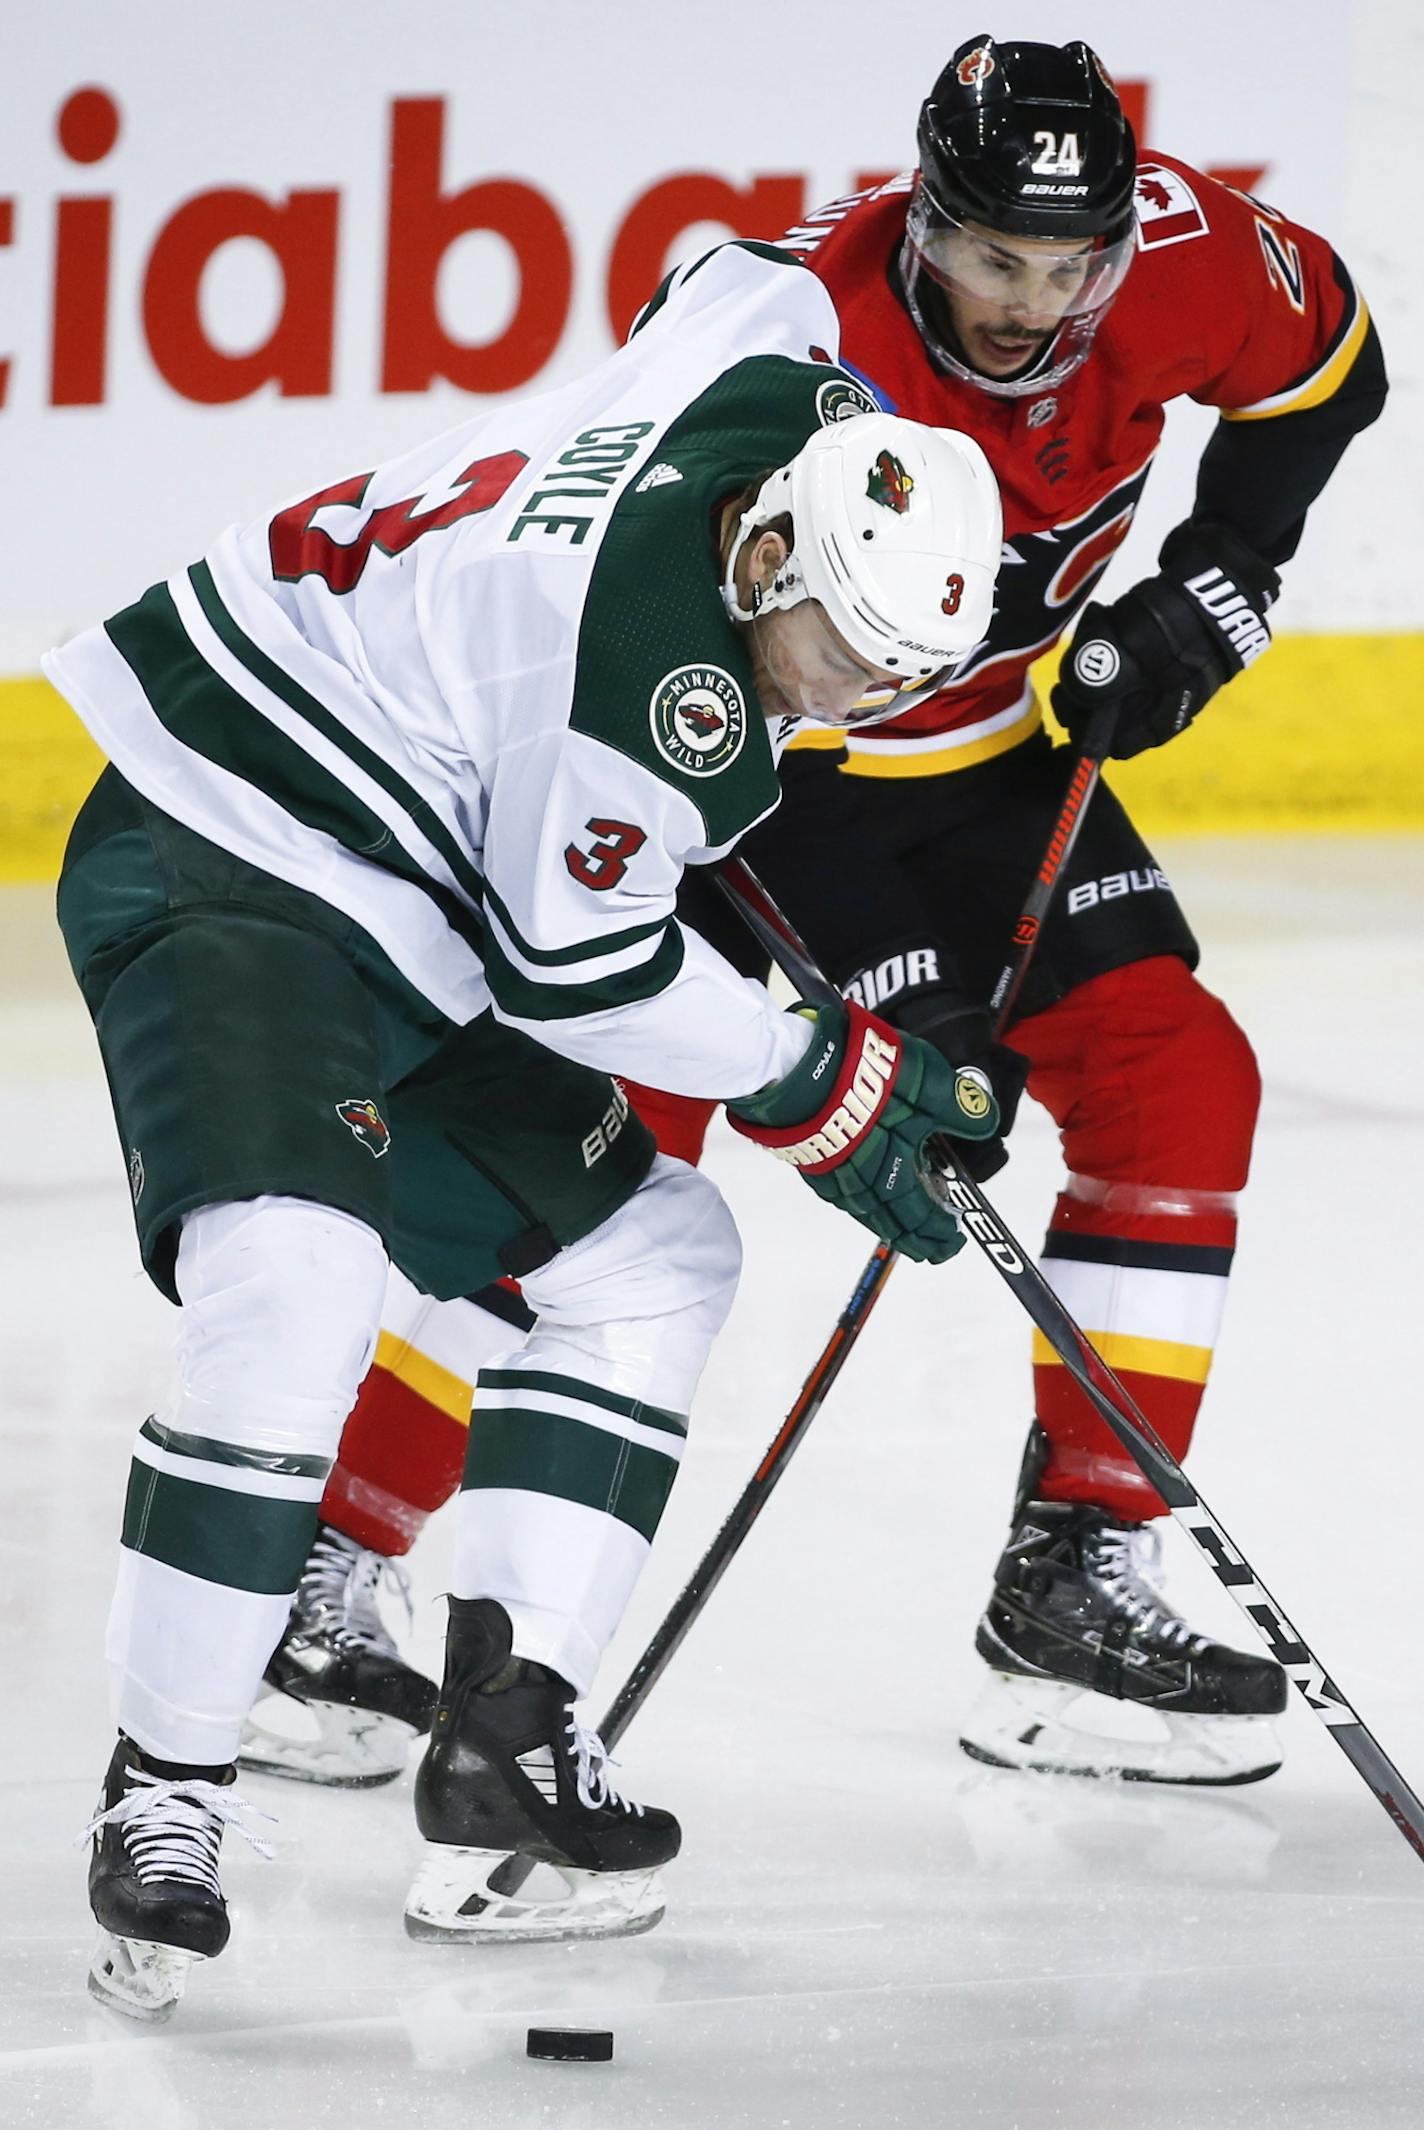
column 604, row 865
column 300, row 548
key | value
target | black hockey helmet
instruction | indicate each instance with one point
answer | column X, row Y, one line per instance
column 1028, row 141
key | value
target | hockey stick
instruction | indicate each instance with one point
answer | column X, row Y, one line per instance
column 743, row 889
column 947, row 1176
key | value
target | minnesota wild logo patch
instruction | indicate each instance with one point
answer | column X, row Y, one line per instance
column 839, row 398
column 365, row 1120
column 889, row 483
column 698, row 719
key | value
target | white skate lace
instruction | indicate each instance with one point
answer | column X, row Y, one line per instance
column 339, row 1588
column 173, row 1830
column 592, row 1762
column 1125, row 1561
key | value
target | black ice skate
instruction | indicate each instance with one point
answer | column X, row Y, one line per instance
column 1086, row 1657
column 153, row 1880
column 340, row 1707
column 510, row 1781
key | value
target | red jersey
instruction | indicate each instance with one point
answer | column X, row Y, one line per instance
column 1226, row 302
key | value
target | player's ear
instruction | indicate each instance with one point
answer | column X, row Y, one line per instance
column 767, row 556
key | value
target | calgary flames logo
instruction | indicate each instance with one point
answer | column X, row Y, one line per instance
column 974, row 67
column 889, row 483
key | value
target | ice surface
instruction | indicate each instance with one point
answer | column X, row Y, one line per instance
column 865, row 1930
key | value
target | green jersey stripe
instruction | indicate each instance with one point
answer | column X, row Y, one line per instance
column 547, row 1453
column 523, row 999
column 203, row 713
column 608, row 1401
column 585, row 950
column 254, row 1542
column 308, row 706
column 380, row 771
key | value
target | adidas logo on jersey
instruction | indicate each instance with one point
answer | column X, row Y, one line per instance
column 657, row 477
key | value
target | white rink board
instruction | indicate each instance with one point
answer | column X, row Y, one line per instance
column 591, row 108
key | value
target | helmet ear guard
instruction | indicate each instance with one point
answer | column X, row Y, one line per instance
column 897, row 532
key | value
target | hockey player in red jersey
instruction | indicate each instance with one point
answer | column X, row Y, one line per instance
column 1038, row 284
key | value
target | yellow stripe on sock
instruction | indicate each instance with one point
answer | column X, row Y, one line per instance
column 439, row 1387
column 1146, row 1357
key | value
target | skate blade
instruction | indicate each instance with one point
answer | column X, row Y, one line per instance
column 1045, row 1727
column 344, row 1748
column 455, row 1897
column 138, row 1977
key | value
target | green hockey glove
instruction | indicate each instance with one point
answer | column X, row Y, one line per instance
column 853, row 1116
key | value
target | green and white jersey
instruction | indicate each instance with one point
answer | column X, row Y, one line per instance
column 486, row 699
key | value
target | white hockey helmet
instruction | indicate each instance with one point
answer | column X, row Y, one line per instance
column 897, row 531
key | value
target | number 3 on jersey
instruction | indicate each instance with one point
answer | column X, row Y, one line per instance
column 301, row 548
column 604, row 865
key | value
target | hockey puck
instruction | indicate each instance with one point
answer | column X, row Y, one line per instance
column 570, row 2044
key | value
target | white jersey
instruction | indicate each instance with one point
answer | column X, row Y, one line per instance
column 486, row 699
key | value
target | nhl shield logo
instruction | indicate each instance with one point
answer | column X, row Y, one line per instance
column 365, row 1120
column 698, row 719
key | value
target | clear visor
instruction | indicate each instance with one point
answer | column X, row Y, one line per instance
column 1039, row 279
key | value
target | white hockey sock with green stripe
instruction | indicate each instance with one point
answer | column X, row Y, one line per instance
column 575, row 1440
column 281, row 1300
column 564, row 1485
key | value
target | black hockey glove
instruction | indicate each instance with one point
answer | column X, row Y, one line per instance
column 1166, row 646
column 853, row 1118
column 913, row 987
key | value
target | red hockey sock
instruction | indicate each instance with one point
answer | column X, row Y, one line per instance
column 401, row 1450
column 1155, row 1091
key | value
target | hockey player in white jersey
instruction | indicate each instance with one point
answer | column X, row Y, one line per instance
column 377, row 890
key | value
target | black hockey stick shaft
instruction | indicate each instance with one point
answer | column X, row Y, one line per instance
column 1125, row 1418
column 1081, row 786
column 741, row 886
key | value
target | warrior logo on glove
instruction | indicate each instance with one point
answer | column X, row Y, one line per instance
column 1097, row 663
column 860, row 1097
